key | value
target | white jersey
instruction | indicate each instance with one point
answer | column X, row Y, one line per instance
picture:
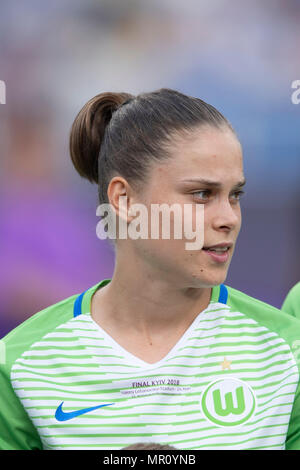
column 230, row 382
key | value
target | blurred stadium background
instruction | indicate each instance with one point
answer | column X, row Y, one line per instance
column 56, row 55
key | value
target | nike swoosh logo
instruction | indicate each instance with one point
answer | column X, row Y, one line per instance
column 61, row 415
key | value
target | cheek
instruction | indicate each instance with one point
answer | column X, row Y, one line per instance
column 169, row 255
column 239, row 224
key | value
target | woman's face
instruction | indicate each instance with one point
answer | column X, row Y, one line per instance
column 214, row 157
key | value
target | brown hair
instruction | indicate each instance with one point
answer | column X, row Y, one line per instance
column 122, row 134
column 149, row 446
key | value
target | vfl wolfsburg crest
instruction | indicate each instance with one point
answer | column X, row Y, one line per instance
column 228, row 402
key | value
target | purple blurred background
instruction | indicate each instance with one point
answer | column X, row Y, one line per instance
column 54, row 56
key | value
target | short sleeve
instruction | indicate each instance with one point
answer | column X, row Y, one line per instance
column 16, row 428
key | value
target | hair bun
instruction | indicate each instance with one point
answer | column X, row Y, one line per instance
column 88, row 129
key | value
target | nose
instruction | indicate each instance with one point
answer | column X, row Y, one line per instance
column 226, row 216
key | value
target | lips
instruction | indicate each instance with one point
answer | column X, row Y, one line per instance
column 218, row 253
column 219, row 248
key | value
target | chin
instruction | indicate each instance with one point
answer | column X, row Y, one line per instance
column 209, row 280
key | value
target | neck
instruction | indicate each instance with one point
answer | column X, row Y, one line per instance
column 147, row 306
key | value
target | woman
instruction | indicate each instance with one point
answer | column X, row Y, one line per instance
column 163, row 352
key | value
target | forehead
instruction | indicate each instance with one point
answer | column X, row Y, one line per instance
column 207, row 151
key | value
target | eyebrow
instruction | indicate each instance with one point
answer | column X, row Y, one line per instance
column 211, row 183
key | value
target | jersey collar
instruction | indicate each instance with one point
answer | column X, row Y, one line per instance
column 83, row 301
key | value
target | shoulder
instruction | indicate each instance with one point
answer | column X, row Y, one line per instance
column 18, row 429
column 237, row 298
column 291, row 303
column 266, row 315
column 34, row 328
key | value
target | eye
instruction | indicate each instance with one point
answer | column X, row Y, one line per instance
column 238, row 195
column 204, row 194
